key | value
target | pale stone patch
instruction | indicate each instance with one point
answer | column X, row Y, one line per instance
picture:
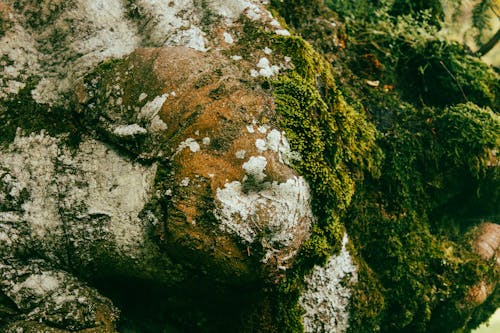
column 115, row 187
column 30, row 159
column 129, row 130
column 255, row 167
column 327, row 293
column 273, row 215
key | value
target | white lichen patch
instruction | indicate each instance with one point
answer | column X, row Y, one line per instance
column 265, row 68
column 157, row 125
column 278, row 216
column 255, row 167
column 275, row 23
column 193, row 38
column 228, row 38
column 206, row 141
column 236, row 57
column 263, row 129
column 190, row 143
column 39, row 284
column 240, row 154
column 151, row 109
column 129, row 130
column 261, row 145
column 327, row 293
column 282, row 32
column 232, row 9
column 149, row 112
column 250, row 129
column 185, row 182
column 277, row 142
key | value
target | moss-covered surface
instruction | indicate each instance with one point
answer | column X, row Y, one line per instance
column 407, row 169
column 437, row 176
column 23, row 112
column 337, row 146
column 440, row 74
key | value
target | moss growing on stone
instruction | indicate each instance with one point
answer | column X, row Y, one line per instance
column 336, row 144
column 396, row 219
column 437, row 177
column 332, row 138
column 408, row 7
column 23, row 112
column 442, row 73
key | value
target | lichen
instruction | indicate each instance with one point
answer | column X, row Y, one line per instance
column 335, row 143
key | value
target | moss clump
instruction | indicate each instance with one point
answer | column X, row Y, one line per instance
column 406, row 7
column 3, row 26
column 435, row 162
column 437, row 176
column 314, row 21
column 334, row 140
column 22, row 111
column 441, row 74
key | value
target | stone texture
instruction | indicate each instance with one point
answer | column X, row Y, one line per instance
column 165, row 171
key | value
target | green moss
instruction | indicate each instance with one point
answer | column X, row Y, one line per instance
column 23, row 112
column 336, row 144
column 395, row 220
column 3, row 26
column 367, row 304
column 442, row 73
column 314, row 21
column 406, row 7
column 407, row 223
column 482, row 314
column 334, row 140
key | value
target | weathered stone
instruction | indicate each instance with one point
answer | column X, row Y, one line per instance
column 212, row 184
column 140, row 145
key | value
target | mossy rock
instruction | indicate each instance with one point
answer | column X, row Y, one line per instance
column 443, row 74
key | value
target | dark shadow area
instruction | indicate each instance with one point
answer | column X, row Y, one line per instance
column 148, row 307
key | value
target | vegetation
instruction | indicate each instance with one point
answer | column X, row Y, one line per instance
column 437, row 132
column 21, row 111
column 406, row 164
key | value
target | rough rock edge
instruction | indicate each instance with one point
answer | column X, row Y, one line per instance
column 101, row 30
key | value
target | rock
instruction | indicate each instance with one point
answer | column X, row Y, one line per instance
column 179, row 162
column 327, row 293
column 182, row 164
